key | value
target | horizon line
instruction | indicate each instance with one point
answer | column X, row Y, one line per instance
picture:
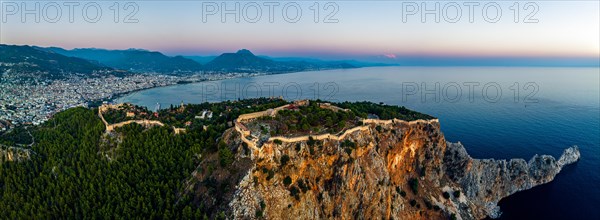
column 402, row 59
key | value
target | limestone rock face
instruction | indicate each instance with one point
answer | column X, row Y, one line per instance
column 486, row 181
column 569, row 156
column 399, row 170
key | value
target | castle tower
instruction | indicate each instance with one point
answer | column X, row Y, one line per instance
column 181, row 107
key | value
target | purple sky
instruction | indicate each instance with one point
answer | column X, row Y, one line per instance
column 359, row 29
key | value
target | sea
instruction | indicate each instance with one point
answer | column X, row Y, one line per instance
column 495, row 112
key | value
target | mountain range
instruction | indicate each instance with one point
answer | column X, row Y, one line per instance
column 134, row 60
column 53, row 65
column 245, row 61
column 144, row 61
column 57, row 62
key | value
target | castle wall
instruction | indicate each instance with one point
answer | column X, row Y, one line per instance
column 240, row 128
column 143, row 122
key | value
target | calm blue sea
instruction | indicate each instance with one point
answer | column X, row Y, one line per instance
column 496, row 112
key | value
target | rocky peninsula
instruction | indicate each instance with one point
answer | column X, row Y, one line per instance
column 392, row 169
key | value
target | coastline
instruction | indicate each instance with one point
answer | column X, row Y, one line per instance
column 123, row 94
column 94, row 103
column 184, row 82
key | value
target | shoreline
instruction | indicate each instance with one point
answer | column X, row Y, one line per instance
column 94, row 103
column 121, row 95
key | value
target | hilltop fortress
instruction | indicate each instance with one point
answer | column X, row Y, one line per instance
column 389, row 169
column 253, row 141
column 143, row 122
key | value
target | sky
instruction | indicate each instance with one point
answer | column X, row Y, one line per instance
column 323, row 29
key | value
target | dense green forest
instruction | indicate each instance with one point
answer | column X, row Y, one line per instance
column 67, row 178
column 386, row 112
column 78, row 171
column 307, row 119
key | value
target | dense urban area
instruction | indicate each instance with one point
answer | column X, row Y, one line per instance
column 32, row 100
column 37, row 82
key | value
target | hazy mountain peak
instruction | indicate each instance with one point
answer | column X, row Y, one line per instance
column 244, row 51
column 138, row 49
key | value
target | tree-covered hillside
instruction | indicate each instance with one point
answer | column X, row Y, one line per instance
column 67, row 177
column 77, row 170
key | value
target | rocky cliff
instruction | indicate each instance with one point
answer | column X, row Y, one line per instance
column 486, row 181
column 396, row 170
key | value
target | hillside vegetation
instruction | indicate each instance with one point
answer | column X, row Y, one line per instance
column 77, row 170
